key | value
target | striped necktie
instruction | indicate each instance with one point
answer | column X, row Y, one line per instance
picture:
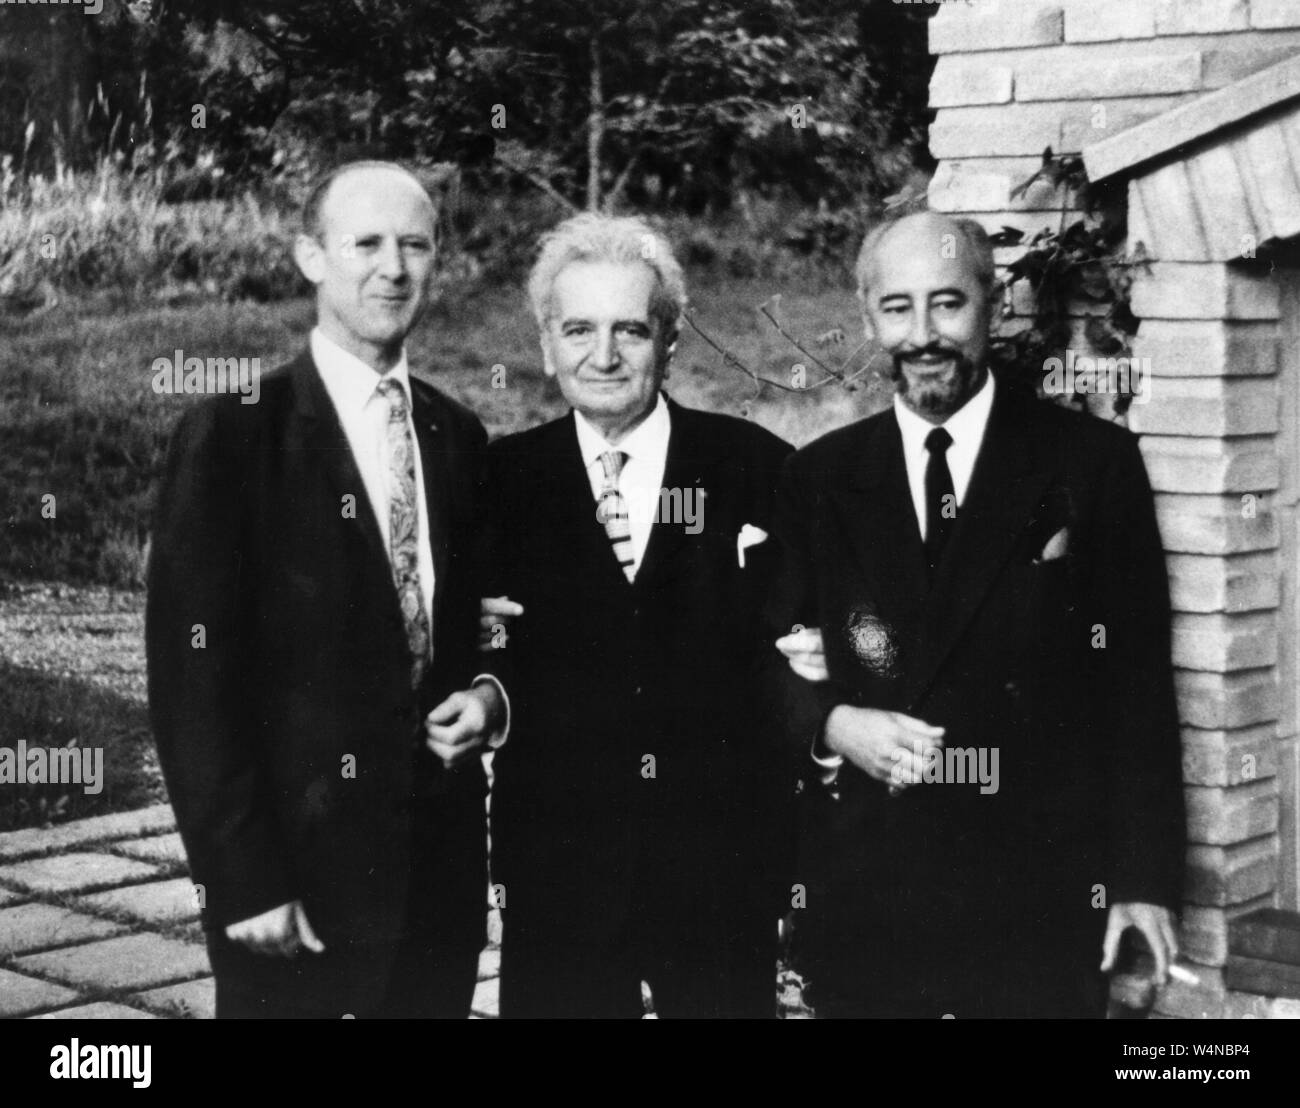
column 611, row 510
column 404, row 526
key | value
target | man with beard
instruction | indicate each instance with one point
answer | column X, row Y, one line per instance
column 993, row 792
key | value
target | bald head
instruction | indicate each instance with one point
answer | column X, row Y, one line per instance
column 931, row 234
column 340, row 185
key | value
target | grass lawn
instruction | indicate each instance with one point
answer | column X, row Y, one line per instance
column 80, row 423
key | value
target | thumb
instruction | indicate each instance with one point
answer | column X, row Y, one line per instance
column 305, row 934
column 1110, row 944
column 1156, row 941
column 449, row 709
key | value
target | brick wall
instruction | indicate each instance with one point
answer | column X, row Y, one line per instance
column 1015, row 76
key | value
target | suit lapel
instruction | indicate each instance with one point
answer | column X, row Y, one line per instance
column 437, row 488
column 571, row 512
column 325, row 444
column 1006, row 487
column 683, row 467
column 874, row 509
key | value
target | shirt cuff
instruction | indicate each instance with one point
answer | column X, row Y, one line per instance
column 828, row 761
column 498, row 740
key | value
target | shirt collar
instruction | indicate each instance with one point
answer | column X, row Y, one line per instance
column 351, row 383
column 966, row 425
column 649, row 439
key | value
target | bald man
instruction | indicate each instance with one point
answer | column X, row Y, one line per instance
column 311, row 646
column 992, row 780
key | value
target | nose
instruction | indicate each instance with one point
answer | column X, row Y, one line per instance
column 392, row 262
column 604, row 354
column 922, row 331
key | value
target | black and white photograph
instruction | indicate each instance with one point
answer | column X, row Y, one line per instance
column 692, row 509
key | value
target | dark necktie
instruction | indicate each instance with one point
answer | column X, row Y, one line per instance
column 940, row 499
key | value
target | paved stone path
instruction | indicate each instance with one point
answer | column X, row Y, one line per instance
column 98, row 921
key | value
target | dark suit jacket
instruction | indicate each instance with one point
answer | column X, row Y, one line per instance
column 603, row 673
column 1000, row 651
column 305, row 666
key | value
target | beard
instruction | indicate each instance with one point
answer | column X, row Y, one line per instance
column 936, row 394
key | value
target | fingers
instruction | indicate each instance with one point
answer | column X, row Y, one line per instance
column 306, row 936
column 1171, row 935
column 810, row 669
column 449, row 710
column 454, row 729
column 805, row 642
column 918, row 728
column 1110, row 944
column 272, row 933
column 499, row 606
column 1149, row 924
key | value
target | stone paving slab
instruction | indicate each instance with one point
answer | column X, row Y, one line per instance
column 31, row 927
column 34, row 841
column 161, row 903
column 196, row 1000
column 100, row 1010
column 487, row 998
column 166, row 849
column 489, row 963
column 73, row 873
column 127, row 962
column 21, row 995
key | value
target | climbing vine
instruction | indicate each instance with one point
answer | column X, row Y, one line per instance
column 1078, row 262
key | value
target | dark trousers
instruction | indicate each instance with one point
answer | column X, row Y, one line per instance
column 731, row 976
column 423, row 984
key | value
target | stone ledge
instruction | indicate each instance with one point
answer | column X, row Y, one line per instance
column 1193, row 121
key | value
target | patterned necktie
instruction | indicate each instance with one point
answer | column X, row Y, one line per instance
column 611, row 510
column 940, row 499
column 404, row 526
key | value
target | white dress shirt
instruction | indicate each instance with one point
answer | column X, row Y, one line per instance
column 353, row 388
column 642, row 477
column 966, row 426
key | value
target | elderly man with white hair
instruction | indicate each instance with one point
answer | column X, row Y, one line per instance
column 635, row 816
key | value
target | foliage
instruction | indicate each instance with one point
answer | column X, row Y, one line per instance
column 111, row 228
column 671, row 104
column 1081, row 263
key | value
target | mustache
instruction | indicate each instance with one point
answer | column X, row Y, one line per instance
column 933, row 350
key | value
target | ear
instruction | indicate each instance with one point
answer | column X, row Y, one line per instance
column 310, row 256
column 666, row 351
column 548, row 363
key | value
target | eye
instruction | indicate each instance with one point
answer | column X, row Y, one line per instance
column 573, row 330
column 950, row 304
column 634, row 330
column 417, row 246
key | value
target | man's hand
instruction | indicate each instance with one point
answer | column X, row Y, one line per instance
column 803, row 650
column 459, row 726
column 279, row 933
column 1156, row 925
column 495, row 614
column 888, row 746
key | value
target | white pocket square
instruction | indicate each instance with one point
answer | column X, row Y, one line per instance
column 1057, row 546
column 749, row 536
